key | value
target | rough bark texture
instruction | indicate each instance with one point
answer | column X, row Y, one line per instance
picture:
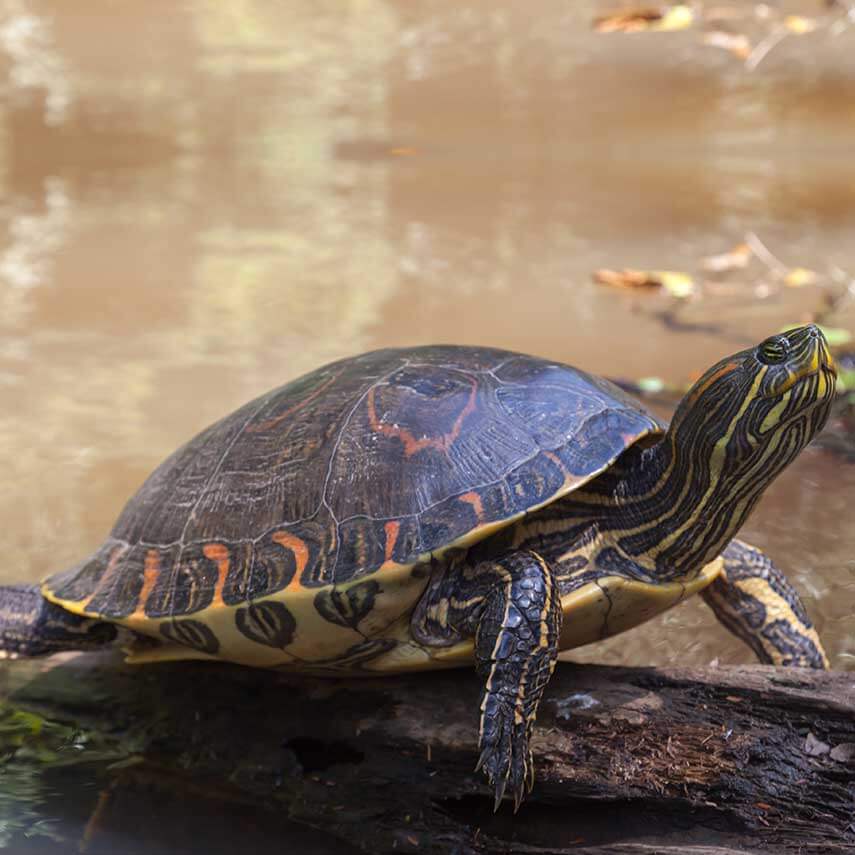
column 747, row 759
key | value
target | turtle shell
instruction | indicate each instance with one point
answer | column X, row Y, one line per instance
column 312, row 510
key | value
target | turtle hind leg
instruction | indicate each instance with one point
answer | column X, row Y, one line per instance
column 30, row 625
column 756, row 602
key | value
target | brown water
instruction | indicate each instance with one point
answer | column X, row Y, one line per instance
column 201, row 200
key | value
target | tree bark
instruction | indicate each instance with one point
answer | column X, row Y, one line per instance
column 628, row 760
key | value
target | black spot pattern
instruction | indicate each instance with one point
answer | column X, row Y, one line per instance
column 191, row 633
column 269, row 623
column 347, row 608
column 354, row 657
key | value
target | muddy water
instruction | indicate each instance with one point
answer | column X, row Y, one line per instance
column 203, row 200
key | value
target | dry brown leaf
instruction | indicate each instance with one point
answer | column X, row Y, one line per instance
column 664, row 19
column 735, row 259
column 798, row 277
column 799, row 25
column 735, row 43
column 625, row 278
column 675, row 283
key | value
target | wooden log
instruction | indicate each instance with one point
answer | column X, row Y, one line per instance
column 629, row 760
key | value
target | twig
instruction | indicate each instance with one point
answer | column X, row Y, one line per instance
column 761, row 251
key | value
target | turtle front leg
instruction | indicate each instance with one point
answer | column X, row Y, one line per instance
column 754, row 600
column 516, row 648
column 512, row 608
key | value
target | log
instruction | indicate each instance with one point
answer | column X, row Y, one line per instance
column 211, row 757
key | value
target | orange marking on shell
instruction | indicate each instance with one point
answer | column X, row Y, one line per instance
column 551, row 455
column 475, row 500
column 267, row 424
column 151, row 570
column 411, row 444
column 220, row 554
column 300, row 550
column 392, row 528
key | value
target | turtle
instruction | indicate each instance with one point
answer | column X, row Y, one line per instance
column 439, row 506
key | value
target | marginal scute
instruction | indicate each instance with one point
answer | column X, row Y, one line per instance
column 362, row 543
column 535, row 481
column 119, row 587
column 185, row 583
column 269, row 623
column 80, row 582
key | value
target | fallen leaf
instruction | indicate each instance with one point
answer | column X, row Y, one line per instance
column 736, row 258
column 798, row 277
column 667, row 19
column 675, row 283
column 625, row 278
column 651, row 384
column 736, row 44
column 799, row 25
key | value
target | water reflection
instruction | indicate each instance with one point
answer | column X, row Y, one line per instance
column 201, row 204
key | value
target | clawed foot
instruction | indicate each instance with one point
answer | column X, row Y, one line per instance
column 505, row 756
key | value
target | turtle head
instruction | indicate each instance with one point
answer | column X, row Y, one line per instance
column 736, row 429
column 752, row 413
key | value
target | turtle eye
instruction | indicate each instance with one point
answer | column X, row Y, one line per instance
column 772, row 351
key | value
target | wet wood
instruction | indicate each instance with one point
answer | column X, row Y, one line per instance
column 748, row 759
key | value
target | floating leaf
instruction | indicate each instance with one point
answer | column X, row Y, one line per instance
column 651, row 385
column 799, row 25
column 667, row 19
column 798, row 277
column 736, row 258
column 675, row 283
column 735, row 43
column 625, row 278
